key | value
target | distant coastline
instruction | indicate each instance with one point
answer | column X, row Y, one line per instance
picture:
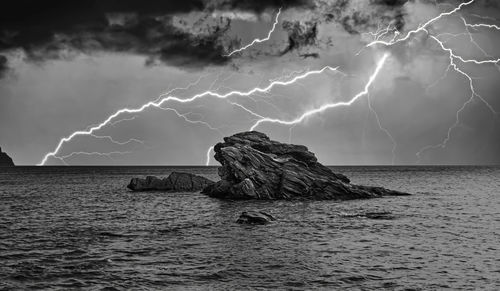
column 5, row 160
column 210, row 166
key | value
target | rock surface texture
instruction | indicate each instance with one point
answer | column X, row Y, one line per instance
column 255, row 167
column 5, row 160
column 175, row 182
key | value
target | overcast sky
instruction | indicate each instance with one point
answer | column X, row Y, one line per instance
column 67, row 65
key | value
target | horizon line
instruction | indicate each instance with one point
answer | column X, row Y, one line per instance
column 207, row 166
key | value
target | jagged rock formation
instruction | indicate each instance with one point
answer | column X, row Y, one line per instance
column 255, row 217
column 255, row 167
column 5, row 160
column 175, row 182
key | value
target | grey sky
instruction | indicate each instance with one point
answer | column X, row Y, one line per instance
column 47, row 93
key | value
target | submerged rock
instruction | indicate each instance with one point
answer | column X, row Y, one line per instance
column 384, row 215
column 5, row 160
column 255, row 167
column 255, row 217
column 175, row 182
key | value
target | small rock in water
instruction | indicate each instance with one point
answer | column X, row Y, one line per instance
column 372, row 215
column 175, row 182
column 255, row 217
column 379, row 215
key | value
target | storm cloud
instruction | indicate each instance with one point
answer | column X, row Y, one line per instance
column 56, row 29
column 259, row 6
column 52, row 29
column 74, row 64
column 3, row 66
column 357, row 16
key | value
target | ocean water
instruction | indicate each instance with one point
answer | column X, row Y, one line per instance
column 79, row 228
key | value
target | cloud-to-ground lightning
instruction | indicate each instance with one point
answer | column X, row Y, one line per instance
column 132, row 140
column 324, row 107
column 163, row 99
column 452, row 64
column 184, row 116
column 383, row 37
column 210, row 149
column 452, row 58
column 385, row 130
column 474, row 94
column 258, row 40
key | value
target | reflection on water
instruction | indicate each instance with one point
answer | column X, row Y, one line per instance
column 79, row 227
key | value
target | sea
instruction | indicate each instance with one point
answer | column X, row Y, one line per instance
column 80, row 228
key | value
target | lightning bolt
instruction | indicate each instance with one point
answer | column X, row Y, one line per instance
column 473, row 41
column 394, row 143
column 452, row 65
column 290, row 132
column 109, row 155
column 452, row 57
column 184, row 116
column 259, row 40
column 421, row 27
column 95, row 127
column 115, row 122
column 387, row 37
column 483, row 25
column 484, row 17
column 123, row 120
column 210, row 149
column 327, row 106
column 109, row 138
column 474, row 94
column 163, row 99
column 192, row 121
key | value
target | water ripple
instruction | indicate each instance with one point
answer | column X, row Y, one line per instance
column 79, row 228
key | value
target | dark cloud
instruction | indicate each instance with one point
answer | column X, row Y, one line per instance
column 57, row 29
column 3, row 66
column 300, row 34
column 309, row 55
column 54, row 29
column 356, row 19
column 398, row 16
column 352, row 23
column 383, row 12
column 258, row 6
column 480, row 4
column 396, row 3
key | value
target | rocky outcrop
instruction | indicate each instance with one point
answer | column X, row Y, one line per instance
column 255, row 167
column 5, row 160
column 175, row 182
column 255, row 217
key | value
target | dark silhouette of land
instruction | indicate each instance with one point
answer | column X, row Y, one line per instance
column 5, row 160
